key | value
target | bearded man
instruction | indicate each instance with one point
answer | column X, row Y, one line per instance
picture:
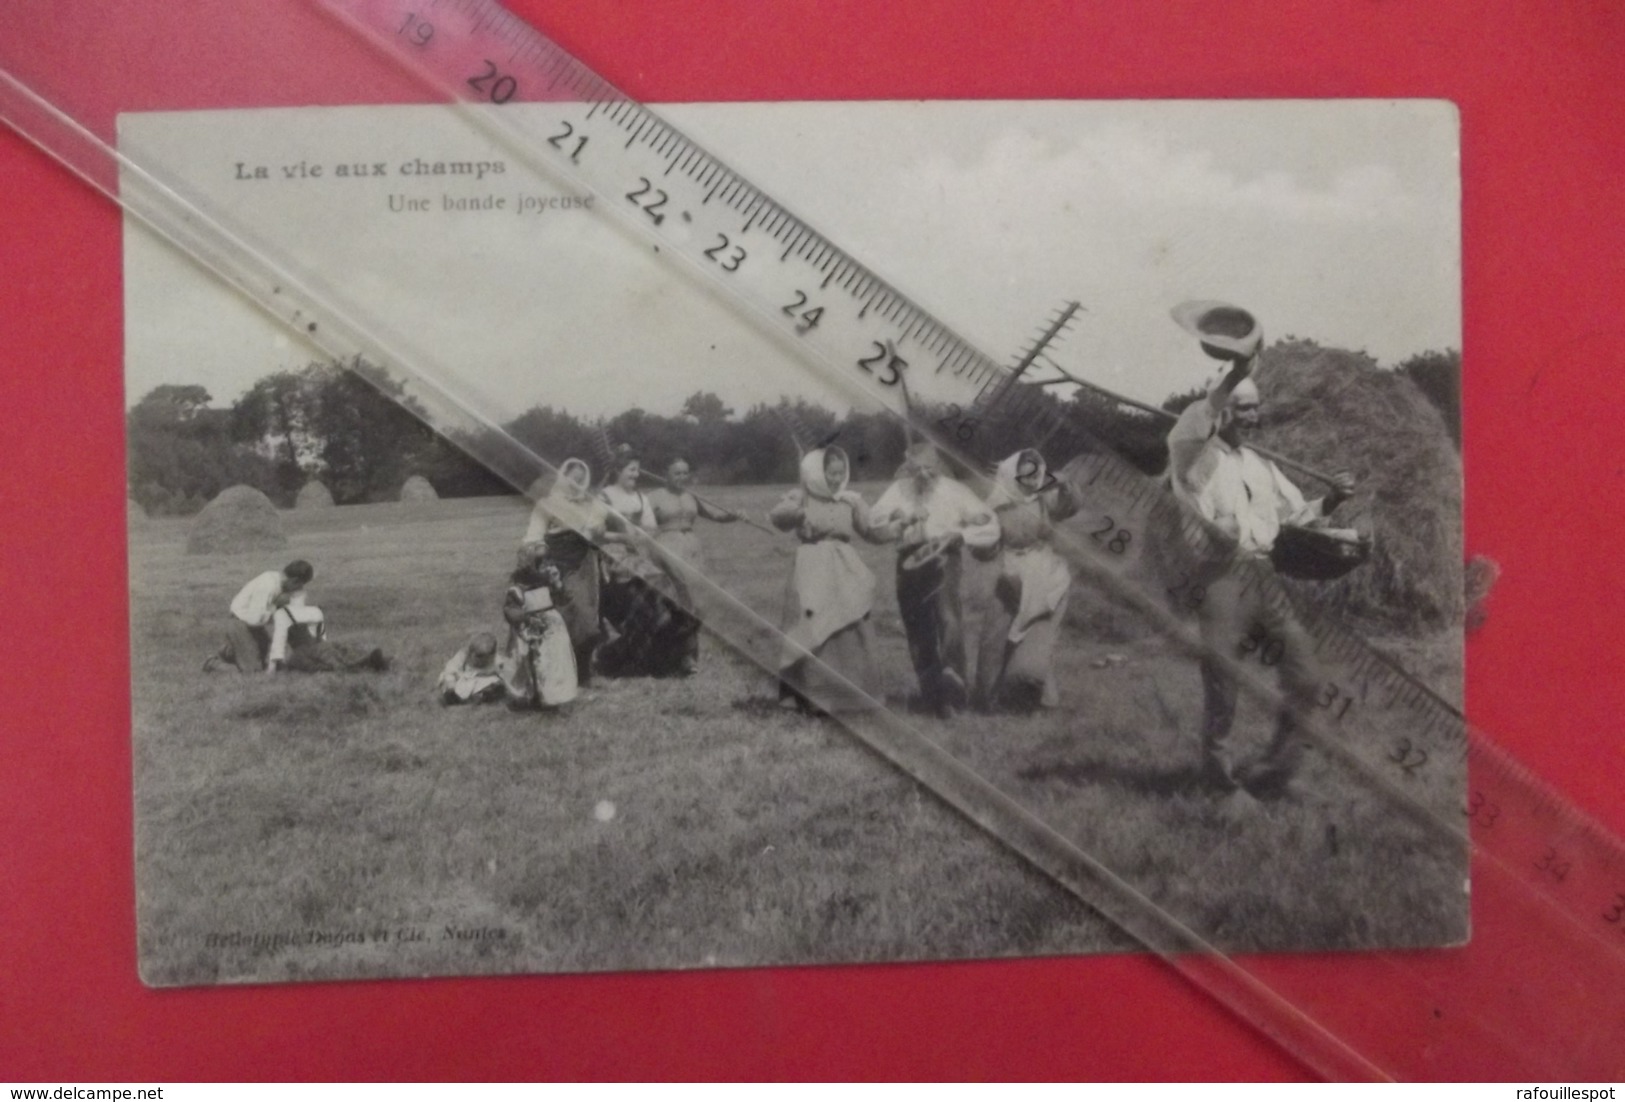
column 933, row 516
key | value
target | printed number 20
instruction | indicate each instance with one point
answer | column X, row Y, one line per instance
column 493, row 84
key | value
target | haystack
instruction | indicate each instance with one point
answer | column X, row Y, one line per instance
column 238, row 519
column 1336, row 410
column 137, row 515
column 416, row 489
column 314, row 495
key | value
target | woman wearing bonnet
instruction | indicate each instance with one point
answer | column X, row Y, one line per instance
column 643, row 605
column 676, row 509
column 1016, row 656
column 566, row 527
column 827, row 662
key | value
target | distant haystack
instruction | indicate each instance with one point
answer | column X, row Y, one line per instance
column 417, row 489
column 314, row 495
column 137, row 515
column 239, row 519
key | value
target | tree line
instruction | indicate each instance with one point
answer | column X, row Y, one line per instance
column 362, row 434
column 349, row 425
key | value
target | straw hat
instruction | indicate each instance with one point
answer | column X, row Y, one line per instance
column 1227, row 332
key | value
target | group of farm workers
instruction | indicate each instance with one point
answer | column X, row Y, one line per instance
column 602, row 583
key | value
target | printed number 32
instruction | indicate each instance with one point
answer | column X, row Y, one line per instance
column 1408, row 757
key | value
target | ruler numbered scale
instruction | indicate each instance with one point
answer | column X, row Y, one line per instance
column 1538, row 994
column 696, row 208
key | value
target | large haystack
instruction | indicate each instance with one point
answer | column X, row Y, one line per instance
column 314, row 495
column 418, row 489
column 238, row 519
column 1337, row 410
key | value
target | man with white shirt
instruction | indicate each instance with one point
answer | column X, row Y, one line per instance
column 1244, row 499
column 932, row 516
column 256, row 637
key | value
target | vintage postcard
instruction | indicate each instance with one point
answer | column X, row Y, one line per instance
column 394, row 716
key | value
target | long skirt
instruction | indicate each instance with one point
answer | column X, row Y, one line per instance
column 654, row 634
column 827, row 602
column 578, row 596
column 847, row 656
column 686, row 547
column 538, row 668
column 1019, row 675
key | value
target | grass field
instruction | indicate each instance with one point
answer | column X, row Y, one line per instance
column 327, row 826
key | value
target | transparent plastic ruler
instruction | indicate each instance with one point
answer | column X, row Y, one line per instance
column 1538, row 993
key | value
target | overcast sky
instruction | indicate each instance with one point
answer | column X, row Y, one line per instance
column 1333, row 220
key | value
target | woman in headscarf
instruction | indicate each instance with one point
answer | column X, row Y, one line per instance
column 643, row 605
column 566, row 527
column 1015, row 659
column 830, row 594
column 676, row 508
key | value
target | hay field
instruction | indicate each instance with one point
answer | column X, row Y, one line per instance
column 328, row 826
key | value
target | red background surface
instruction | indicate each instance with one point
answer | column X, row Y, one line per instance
column 1543, row 111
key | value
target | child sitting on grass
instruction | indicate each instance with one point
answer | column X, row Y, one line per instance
column 472, row 676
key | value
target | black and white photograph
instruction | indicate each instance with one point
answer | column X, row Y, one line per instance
column 400, row 709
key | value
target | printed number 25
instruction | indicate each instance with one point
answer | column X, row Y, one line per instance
column 884, row 356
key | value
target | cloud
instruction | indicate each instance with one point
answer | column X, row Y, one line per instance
column 1122, row 167
column 1204, row 201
